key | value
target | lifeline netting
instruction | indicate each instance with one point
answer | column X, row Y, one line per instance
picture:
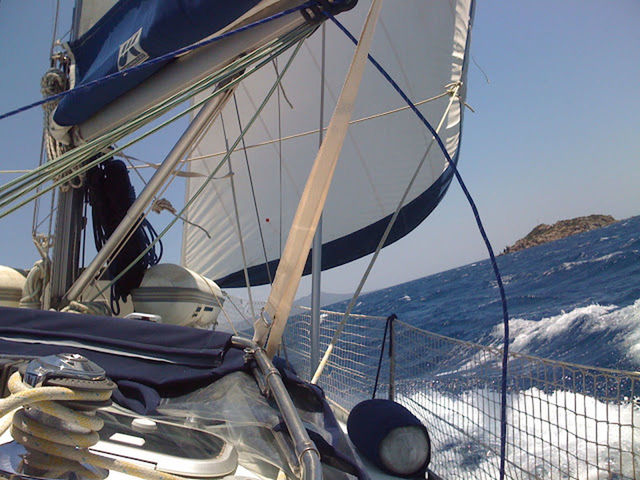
column 565, row 421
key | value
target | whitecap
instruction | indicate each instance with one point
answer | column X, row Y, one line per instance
column 593, row 318
column 547, row 432
column 604, row 258
column 522, row 331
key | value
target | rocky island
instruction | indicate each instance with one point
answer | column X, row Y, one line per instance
column 564, row 228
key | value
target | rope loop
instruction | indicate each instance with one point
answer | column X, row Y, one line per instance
column 54, row 81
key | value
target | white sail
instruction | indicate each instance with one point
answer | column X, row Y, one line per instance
column 424, row 45
column 88, row 12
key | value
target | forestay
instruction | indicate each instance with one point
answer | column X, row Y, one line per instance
column 424, row 44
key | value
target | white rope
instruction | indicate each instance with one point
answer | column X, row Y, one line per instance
column 315, row 131
column 34, row 286
column 74, row 433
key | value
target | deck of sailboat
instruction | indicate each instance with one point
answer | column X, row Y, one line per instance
column 477, row 416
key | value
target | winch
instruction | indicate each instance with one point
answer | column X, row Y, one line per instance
column 57, row 434
column 62, row 401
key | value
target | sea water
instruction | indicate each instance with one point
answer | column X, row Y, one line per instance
column 575, row 300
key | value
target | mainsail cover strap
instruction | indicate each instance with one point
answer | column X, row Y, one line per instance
column 314, row 196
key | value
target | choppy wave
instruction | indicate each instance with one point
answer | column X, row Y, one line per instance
column 604, row 258
column 577, row 301
column 598, row 327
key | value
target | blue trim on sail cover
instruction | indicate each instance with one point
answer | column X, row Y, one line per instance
column 128, row 34
column 362, row 242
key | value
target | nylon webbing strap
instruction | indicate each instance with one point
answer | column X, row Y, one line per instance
column 314, row 196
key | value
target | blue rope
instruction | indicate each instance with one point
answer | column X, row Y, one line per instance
column 387, row 324
column 167, row 56
column 476, row 214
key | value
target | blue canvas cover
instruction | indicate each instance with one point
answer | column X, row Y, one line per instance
column 147, row 360
column 150, row 361
column 130, row 33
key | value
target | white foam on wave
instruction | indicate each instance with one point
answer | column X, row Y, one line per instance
column 506, row 280
column 571, row 265
column 625, row 322
column 631, row 339
column 549, row 435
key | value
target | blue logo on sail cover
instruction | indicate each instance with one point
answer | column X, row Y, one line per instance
column 131, row 53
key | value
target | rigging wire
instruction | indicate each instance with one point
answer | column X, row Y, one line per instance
column 253, row 192
column 316, row 249
column 242, row 315
column 162, row 58
column 238, row 226
column 483, row 233
column 280, row 185
column 55, row 28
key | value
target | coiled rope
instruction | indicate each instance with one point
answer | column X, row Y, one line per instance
column 57, row 449
column 111, row 195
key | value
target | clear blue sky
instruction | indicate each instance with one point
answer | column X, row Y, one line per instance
column 556, row 133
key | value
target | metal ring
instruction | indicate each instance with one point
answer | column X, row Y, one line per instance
column 311, row 448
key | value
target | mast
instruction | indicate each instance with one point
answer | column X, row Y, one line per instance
column 67, row 234
column 66, row 245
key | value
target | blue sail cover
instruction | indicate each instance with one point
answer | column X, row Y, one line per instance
column 147, row 360
column 130, row 33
